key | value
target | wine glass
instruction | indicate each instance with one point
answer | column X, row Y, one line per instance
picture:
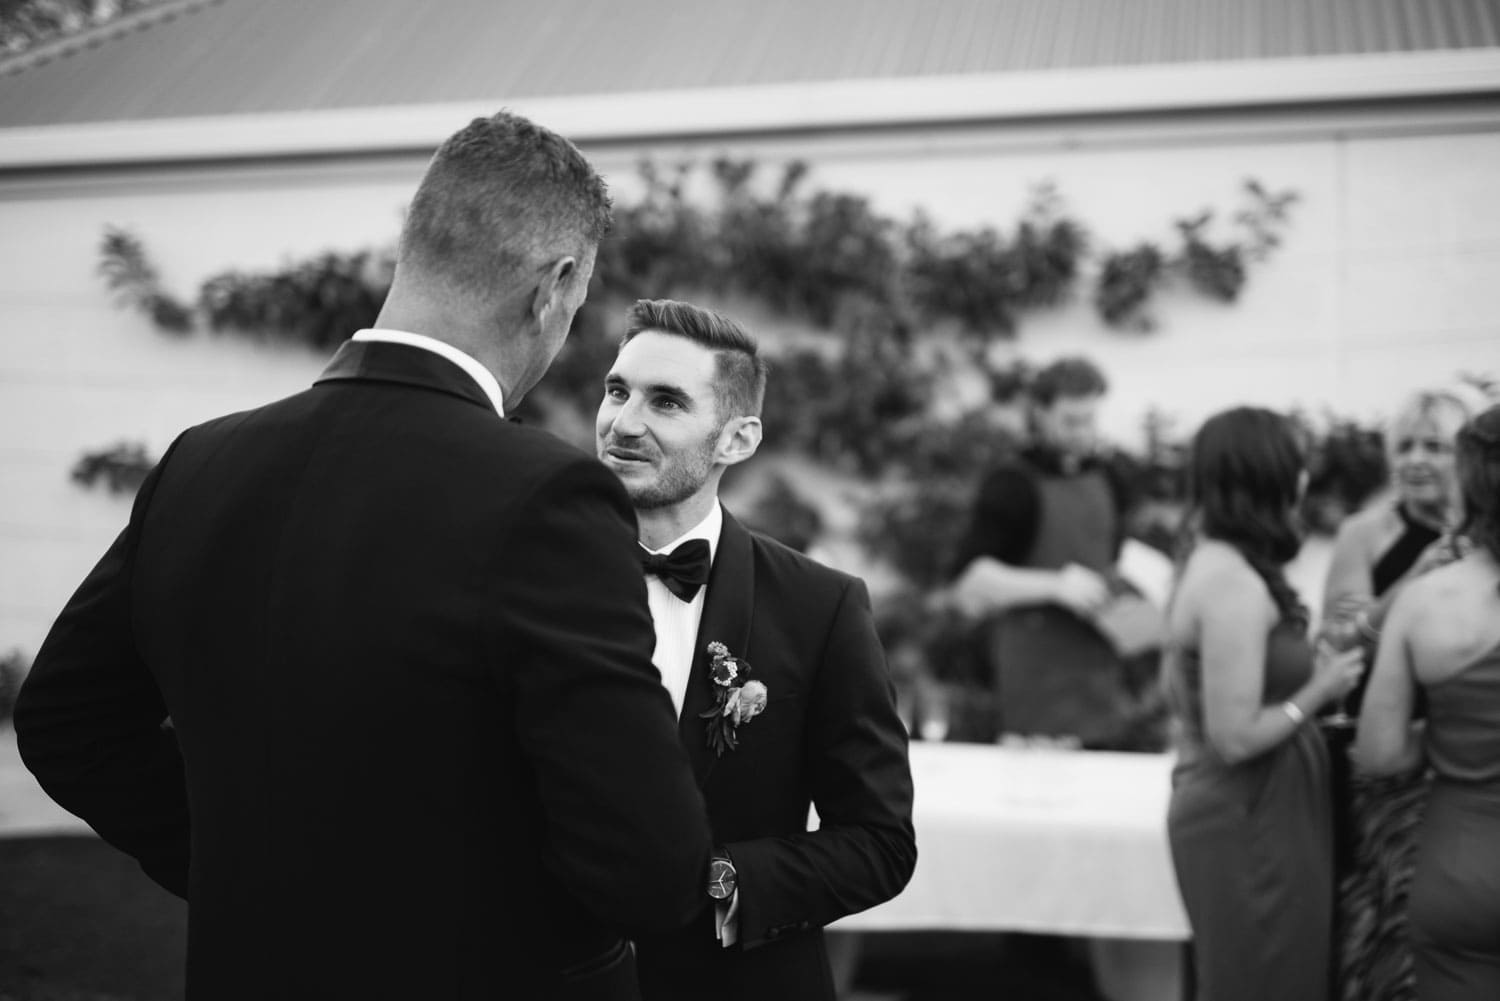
column 1340, row 632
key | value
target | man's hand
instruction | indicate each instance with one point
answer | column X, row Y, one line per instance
column 974, row 593
column 987, row 586
column 1081, row 589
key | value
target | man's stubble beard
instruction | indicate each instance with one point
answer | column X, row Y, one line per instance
column 679, row 479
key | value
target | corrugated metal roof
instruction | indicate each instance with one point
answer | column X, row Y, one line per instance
column 217, row 57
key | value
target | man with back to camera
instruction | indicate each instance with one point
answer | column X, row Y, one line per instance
column 417, row 745
column 772, row 661
column 1039, row 558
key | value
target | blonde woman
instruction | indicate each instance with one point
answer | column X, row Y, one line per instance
column 1377, row 551
column 1442, row 641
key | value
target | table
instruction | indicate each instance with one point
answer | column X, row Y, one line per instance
column 1064, row 842
column 1047, row 841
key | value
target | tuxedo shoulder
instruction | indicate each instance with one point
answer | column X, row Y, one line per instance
column 537, row 446
column 784, row 562
column 541, row 458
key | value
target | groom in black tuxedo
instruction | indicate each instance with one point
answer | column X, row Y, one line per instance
column 417, row 747
column 799, row 702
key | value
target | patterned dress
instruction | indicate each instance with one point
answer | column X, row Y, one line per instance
column 1378, row 820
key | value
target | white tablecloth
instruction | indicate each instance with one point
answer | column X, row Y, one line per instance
column 1063, row 842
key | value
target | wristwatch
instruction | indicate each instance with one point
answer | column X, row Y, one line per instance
column 721, row 877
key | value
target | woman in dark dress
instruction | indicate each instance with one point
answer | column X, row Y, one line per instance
column 1442, row 641
column 1250, row 821
column 1376, row 818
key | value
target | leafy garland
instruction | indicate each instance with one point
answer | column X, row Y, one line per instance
column 1128, row 279
column 122, row 467
column 13, row 668
column 825, row 257
column 131, row 277
column 861, row 398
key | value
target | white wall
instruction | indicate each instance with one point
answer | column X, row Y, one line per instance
column 1381, row 285
column 1384, row 285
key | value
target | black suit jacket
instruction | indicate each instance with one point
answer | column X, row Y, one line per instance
column 417, row 745
column 829, row 736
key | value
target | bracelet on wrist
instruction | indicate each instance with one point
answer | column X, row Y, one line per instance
column 1293, row 712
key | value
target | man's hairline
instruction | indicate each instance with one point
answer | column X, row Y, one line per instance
column 1059, row 397
column 716, row 351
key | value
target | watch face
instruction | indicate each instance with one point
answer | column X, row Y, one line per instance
column 720, row 879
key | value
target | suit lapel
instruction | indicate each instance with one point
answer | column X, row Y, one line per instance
column 727, row 611
column 382, row 361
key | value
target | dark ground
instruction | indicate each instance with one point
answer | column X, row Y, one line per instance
column 78, row 922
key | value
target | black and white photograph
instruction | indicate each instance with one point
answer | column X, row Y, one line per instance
column 794, row 500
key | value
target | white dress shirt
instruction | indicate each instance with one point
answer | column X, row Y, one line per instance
column 677, row 624
column 476, row 371
column 677, row 620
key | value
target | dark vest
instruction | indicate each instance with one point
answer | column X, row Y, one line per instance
column 1077, row 522
column 1055, row 674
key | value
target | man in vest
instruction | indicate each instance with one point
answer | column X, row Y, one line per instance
column 1038, row 564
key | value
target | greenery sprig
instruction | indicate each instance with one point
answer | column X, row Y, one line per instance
column 134, row 281
column 1128, row 279
column 122, row 466
column 13, row 668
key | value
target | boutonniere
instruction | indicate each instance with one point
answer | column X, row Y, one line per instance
column 737, row 699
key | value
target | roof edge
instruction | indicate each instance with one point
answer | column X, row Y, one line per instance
column 98, row 34
column 771, row 108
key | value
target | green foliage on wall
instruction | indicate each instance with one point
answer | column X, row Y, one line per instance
column 895, row 307
column 13, row 668
column 130, row 276
column 121, row 467
column 827, row 258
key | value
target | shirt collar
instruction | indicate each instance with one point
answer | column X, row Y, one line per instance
column 1054, row 462
column 476, row 371
column 710, row 528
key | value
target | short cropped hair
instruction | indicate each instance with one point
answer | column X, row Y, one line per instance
column 500, row 196
column 1068, row 377
column 740, row 383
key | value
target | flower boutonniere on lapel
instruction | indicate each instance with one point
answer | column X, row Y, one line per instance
column 737, row 699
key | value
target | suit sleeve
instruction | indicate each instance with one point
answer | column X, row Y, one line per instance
column 90, row 719
column 865, row 849
column 627, row 829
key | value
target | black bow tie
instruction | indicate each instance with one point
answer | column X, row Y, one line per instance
column 683, row 570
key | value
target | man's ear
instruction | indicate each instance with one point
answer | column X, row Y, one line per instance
column 548, row 299
column 738, row 440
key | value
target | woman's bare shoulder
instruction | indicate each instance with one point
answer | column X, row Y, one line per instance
column 1218, row 571
column 1219, row 586
column 1437, row 587
column 1446, row 617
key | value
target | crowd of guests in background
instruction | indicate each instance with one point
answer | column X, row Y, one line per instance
column 1310, row 869
column 1335, row 813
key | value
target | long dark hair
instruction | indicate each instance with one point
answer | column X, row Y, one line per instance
column 1243, row 476
column 1478, row 455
